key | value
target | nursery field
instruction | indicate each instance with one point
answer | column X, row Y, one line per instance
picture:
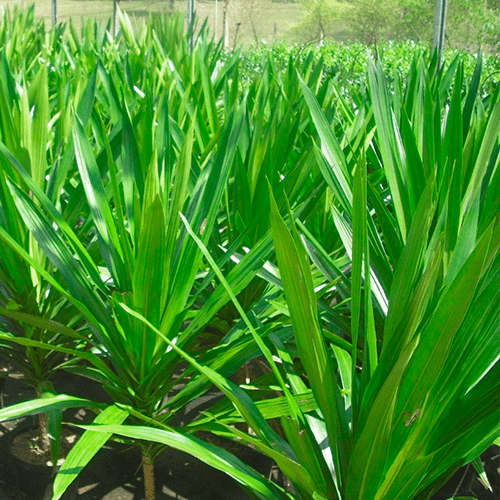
column 288, row 252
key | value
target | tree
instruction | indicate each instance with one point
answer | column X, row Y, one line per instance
column 372, row 20
column 416, row 19
column 321, row 18
column 469, row 23
column 474, row 23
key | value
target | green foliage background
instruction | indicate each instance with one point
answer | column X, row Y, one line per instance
column 470, row 23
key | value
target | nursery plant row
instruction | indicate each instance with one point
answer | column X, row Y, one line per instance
column 174, row 218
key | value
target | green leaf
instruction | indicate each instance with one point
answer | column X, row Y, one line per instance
column 239, row 398
column 295, row 472
column 309, row 455
column 39, row 322
column 487, row 145
column 35, row 406
column 462, row 498
column 38, row 145
column 133, row 175
column 409, row 264
column 148, row 280
column 299, row 292
column 86, row 448
column 99, row 205
column 93, row 359
column 54, row 422
column 393, row 155
column 336, row 172
column 478, row 465
column 361, row 302
column 59, row 253
column 208, row 453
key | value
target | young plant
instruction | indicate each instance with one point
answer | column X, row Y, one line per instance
column 145, row 262
column 411, row 397
column 31, row 311
column 112, row 229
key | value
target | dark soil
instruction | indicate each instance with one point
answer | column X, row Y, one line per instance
column 115, row 473
column 465, row 482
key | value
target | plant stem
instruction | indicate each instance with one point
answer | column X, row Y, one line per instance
column 44, row 433
column 42, row 424
column 149, row 476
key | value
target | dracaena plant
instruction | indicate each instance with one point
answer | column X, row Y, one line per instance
column 134, row 252
column 145, row 263
column 409, row 396
column 24, row 295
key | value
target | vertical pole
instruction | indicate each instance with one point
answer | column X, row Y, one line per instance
column 439, row 28
column 115, row 16
column 226, row 34
column 216, row 19
column 191, row 12
column 225, row 23
column 54, row 11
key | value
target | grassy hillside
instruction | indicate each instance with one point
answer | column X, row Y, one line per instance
column 269, row 19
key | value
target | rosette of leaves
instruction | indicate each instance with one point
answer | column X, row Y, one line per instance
column 31, row 311
column 142, row 263
column 410, row 395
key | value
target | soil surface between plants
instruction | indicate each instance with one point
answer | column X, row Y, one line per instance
column 29, row 448
column 115, row 473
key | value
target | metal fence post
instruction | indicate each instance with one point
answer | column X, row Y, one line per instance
column 54, row 11
column 439, row 28
column 191, row 12
column 115, row 17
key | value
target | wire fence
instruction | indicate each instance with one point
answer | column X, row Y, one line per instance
column 235, row 21
column 255, row 22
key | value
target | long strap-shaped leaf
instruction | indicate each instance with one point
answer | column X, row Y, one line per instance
column 272, row 443
column 389, row 450
column 211, row 455
column 318, row 364
column 59, row 253
column 393, row 154
column 336, row 172
column 55, row 215
column 99, row 205
column 39, row 405
column 202, row 212
column 86, row 448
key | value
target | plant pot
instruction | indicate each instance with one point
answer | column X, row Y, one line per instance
column 34, row 474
